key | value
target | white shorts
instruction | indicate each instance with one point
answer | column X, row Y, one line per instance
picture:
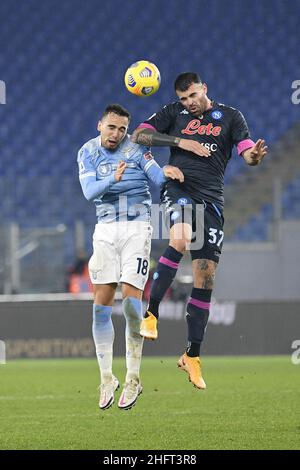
column 121, row 253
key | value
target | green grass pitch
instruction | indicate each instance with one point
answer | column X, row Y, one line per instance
column 250, row 403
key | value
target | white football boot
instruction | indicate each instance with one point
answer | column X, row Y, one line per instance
column 107, row 391
column 130, row 394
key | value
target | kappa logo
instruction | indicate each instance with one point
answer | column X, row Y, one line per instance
column 129, row 152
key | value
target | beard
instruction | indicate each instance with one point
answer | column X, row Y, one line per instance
column 200, row 107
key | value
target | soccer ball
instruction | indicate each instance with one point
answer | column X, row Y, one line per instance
column 142, row 78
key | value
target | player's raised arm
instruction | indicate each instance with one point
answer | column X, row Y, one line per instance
column 173, row 173
column 151, row 138
column 91, row 187
column 252, row 152
column 157, row 174
column 254, row 155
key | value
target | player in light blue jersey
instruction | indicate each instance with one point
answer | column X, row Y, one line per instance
column 114, row 173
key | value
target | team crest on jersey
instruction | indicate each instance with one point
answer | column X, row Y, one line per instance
column 104, row 169
column 148, row 155
column 182, row 201
column 217, row 114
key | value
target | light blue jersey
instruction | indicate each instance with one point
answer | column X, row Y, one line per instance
column 128, row 199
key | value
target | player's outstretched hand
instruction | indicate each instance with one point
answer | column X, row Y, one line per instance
column 259, row 150
column 174, row 173
column 120, row 171
column 194, row 146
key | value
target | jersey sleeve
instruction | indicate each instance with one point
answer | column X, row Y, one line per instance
column 240, row 133
column 150, row 167
column 85, row 164
column 161, row 121
column 91, row 187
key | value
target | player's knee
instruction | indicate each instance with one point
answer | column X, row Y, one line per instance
column 129, row 290
column 101, row 298
column 179, row 245
column 104, row 294
column 180, row 237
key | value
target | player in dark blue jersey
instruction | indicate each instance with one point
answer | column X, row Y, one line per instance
column 201, row 134
column 114, row 173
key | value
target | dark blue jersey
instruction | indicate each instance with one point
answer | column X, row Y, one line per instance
column 219, row 129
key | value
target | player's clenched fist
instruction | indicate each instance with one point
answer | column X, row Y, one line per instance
column 120, row 170
column 174, row 173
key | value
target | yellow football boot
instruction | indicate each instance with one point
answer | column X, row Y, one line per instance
column 148, row 327
column 192, row 365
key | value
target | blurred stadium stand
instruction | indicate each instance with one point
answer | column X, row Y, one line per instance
column 63, row 62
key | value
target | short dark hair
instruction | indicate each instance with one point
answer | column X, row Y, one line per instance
column 185, row 80
column 116, row 109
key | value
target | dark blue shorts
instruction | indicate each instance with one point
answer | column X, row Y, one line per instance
column 205, row 218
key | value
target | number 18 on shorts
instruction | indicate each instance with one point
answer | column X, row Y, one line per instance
column 121, row 253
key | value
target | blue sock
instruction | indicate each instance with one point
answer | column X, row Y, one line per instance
column 163, row 277
column 103, row 334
